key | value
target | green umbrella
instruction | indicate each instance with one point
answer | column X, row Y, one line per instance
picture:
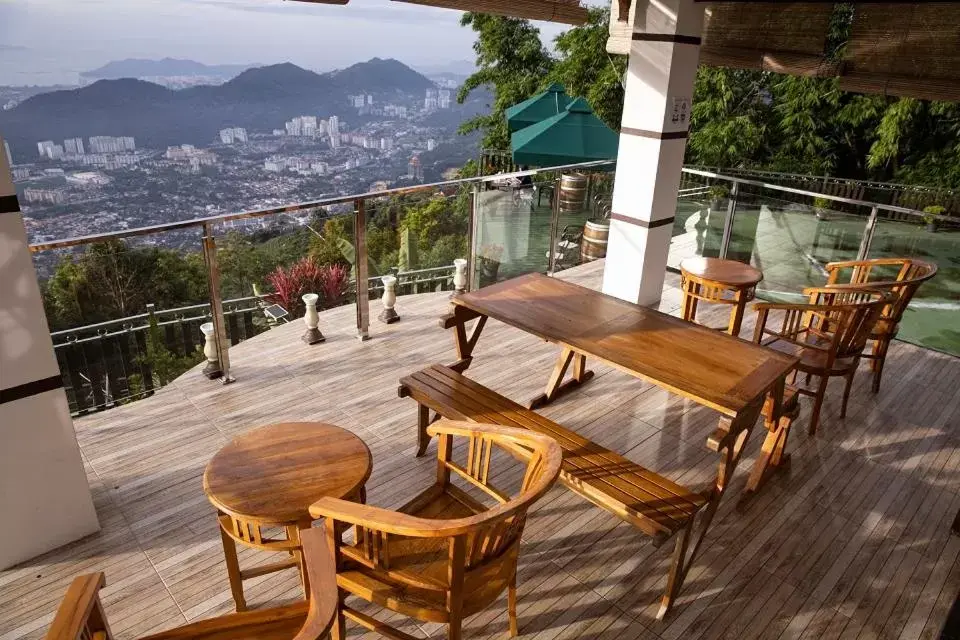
column 575, row 135
column 540, row 107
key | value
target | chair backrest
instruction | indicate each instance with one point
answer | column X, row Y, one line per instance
column 475, row 541
column 900, row 276
column 844, row 317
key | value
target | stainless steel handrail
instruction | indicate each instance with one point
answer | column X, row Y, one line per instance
column 812, row 194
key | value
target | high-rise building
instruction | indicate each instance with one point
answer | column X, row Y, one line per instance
column 226, row 136
column 369, row 99
column 43, row 148
column 443, row 98
column 73, row 146
column 239, row 134
column 414, row 170
column 110, row 144
column 431, row 144
column 333, row 130
column 6, row 151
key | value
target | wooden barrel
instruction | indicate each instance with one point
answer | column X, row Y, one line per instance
column 594, row 244
column 573, row 192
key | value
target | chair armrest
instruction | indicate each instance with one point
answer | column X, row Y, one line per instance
column 79, row 605
column 322, row 574
column 388, row 521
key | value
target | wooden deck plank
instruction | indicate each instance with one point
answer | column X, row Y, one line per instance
column 852, row 539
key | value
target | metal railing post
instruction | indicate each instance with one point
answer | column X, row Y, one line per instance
column 728, row 220
column 868, row 232
column 472, row 237
column 360, row 257
column 554, row 223
column 221, row 341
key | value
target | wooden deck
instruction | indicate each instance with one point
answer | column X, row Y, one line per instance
column 853, row 542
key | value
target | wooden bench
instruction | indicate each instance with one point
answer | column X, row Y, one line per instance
column 654, row 504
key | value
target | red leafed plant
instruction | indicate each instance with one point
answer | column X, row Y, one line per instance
column 334, row 279
column 289, row 285
column 307, row 276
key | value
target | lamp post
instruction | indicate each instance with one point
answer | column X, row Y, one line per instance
column 312, row 319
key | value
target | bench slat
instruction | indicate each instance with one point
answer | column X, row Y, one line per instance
column 655, row 504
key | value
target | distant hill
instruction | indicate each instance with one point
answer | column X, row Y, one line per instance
column 260, row 99
column 139, row 68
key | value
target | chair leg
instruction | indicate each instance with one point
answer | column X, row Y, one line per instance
column 512, row 605
column 454, row 631
column 339, row 629
column 879, row 357
column 233, row 570
column 846, row 391
column 817, row 405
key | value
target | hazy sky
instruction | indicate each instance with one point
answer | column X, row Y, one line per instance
column 51, row 41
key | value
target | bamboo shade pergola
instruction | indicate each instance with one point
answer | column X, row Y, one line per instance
column 565, row 11
column 908, row 50
column 780, row 37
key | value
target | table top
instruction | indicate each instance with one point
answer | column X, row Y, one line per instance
column 729, row 272
column 707, row 366
column 275, row 473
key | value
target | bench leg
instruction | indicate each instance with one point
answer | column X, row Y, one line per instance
column 556, row 386
column 737, row 432
column 423, row 421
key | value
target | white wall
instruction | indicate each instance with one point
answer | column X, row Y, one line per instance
column 44, row 495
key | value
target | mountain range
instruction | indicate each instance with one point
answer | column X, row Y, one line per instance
column 138, row 68
column 260, row 98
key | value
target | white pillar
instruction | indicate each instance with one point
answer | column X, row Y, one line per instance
column 44, row 496
column 664, row 51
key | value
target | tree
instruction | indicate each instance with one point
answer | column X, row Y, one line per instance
column 511, row 60
column 728, row 117
column 585, row 69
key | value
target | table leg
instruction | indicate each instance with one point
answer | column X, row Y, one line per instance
column 729, row 440
column 779, row 413
column 556, row 386
column 233, row 569
column 463, row 340
column 293, row 535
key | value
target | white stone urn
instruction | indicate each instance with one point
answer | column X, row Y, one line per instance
column 389, row 314
column 212, row 369
column 312, row 319
column 460, row 275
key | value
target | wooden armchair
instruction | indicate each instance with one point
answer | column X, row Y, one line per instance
column 899, row 276
column 81, row 616
column 444, row 555
column 828, row 334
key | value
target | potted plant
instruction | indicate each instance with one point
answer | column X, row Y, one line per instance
column 718, row 193
column 488, row 262
column 930, row 214
column 821, row 207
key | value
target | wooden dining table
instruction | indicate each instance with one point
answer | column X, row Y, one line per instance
column 734, row 377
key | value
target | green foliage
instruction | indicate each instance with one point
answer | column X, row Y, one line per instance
column 111, row 280
column 931, row 211
column 511, row 60
column 164, row 364
column 586, row 69
column 407, row 258
column 728, row 117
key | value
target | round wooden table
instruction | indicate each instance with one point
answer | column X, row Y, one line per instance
column 269, row 477
column 718, row 281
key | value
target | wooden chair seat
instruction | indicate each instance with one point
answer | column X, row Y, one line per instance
column 813, row 360
column 281, row 623
column 656, row 505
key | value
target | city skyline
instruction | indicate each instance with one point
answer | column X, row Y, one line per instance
column 53, row 41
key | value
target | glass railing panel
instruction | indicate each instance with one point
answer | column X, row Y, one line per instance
column 275, row 260
column 124, row 314
column 702, row 206
column 416, row 237
column 512, row 230
column 933, row 318
column 583, row 217
column 791, row 239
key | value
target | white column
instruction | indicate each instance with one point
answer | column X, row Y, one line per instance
column 664, row 51
column 45, row 499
